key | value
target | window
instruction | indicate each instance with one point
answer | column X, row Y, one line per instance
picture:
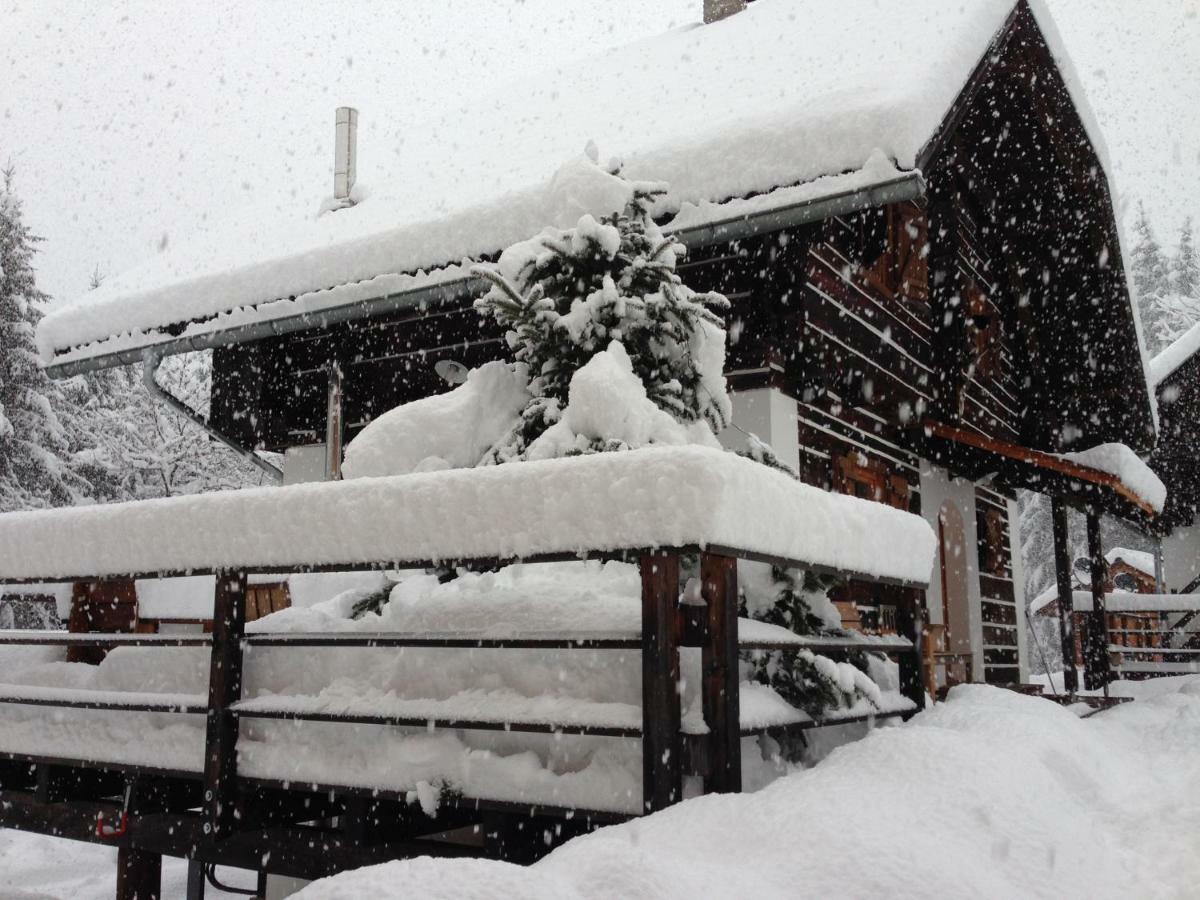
column 901, row 269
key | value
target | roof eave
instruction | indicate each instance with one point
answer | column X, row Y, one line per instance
column 906, row 186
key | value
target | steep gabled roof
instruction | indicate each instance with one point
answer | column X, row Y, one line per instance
column 823, row 97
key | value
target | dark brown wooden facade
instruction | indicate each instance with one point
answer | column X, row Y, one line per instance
column 995, row 305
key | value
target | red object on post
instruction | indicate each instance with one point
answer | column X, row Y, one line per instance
column 106, row 831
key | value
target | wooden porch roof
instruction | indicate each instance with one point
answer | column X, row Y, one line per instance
column 976, row 456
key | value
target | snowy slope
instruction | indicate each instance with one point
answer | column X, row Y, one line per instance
column 989, row 795
column 778, row 95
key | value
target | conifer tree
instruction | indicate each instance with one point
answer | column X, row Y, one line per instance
column 564, row 295
column 1186, row 267
column 805, row 679
column 33, row 442
column 1150, row 276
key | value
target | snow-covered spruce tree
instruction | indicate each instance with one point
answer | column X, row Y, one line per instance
column 798, row 600
column 1150, row 275
column 1185, row 268
column 33, row 442
column 565, row 295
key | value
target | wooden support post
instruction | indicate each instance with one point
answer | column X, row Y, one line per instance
column 719, row 686
column 662, row 744
column 1066, row 604
column 195, row 880
column 224, row 690
column 139, row 874
column 1095, row 636
column 910, row 624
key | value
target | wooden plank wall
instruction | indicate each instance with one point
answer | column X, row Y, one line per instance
column 991, row 398
column 996, row 588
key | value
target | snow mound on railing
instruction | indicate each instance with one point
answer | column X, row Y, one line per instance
column 651, row 497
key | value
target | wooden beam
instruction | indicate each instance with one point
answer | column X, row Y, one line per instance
column 139, row 874
column 1095, row 635
column 1038, row 459
column 224, row 690
column 662, row 745
column 1066, row 603
column 719, row 684
column 910, row 624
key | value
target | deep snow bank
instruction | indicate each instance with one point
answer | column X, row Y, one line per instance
column 989, row 795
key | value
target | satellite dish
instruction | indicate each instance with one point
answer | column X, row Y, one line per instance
column 1125, row 582
column 1083, row 570
column 450, row 371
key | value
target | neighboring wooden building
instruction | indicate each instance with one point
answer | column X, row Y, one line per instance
column 1175, row 375
column 928, row 332
column 1127, row 571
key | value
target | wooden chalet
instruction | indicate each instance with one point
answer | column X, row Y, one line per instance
column 930, row 326
column 1175, row 374
column 1131, row 626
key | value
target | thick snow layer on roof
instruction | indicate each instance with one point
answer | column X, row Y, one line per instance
column 1180, row 351
column 670, row 496
column 1142, row 560
column 778, row 95
column 1121, row 462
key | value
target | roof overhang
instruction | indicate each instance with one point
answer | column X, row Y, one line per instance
column 765, row 218
column 977, row 456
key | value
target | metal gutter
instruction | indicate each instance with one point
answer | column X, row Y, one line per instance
column 908, row 186
column 150, row 363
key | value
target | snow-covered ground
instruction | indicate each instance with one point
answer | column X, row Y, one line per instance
column 35, row 867
column 991, row 794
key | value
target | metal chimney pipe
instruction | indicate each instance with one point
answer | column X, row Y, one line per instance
column 345, row 153
column 715, row 10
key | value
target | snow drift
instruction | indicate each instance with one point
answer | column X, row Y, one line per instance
column 991, row 794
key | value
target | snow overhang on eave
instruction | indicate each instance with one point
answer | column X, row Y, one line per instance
column 712, row 224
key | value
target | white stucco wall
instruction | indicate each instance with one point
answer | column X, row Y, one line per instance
column 1018, row 573
column 304, row 463
column 937, row 487
column 772, row 416
column 1181, row 557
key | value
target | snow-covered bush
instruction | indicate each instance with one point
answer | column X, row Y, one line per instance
column 798, row 601
column 567, row 295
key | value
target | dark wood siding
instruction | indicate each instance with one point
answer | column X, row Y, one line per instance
column 996, row 588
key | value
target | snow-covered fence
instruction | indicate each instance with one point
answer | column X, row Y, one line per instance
column 657, row 508
column 1165, row 641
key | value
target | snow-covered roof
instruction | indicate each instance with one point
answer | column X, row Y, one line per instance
column 781, row 95
column 1180, row 351
column 666, row 496
column 1142, row 560
column 1127, row 467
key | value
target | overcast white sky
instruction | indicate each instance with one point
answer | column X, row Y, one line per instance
column 132, row 123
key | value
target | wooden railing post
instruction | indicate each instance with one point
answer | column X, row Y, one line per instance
column 662, row 743
column 1066, row 603
column 910, row 624
column 224, row 690
column 139, row 874
column 1096, row 666
column 719, row 686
